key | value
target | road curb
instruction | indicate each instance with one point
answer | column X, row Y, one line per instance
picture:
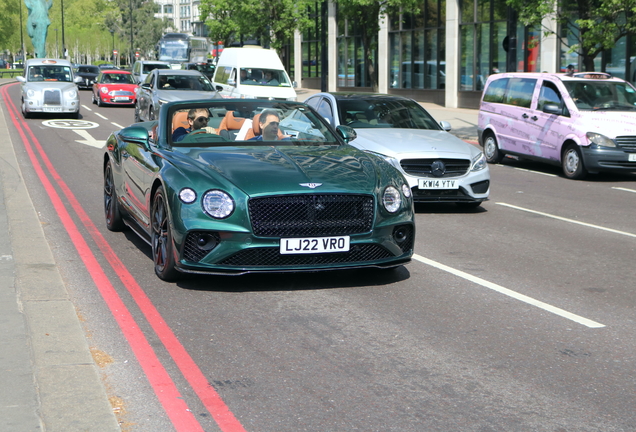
column 57, row 385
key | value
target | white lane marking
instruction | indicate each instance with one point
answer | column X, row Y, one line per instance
column 515, row 295
column 568, row 220
column 99, row 115
column 624, row 189
column 535, row 172
column 88, row 139
column 117, row 125
column 86, row 108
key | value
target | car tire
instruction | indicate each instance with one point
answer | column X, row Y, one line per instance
column 491, row 149
column 25, row 113
column 161, row 239
column 93, row 98
column 137, row 119
column 112, row 212
column 572, row 162
column 100, row 103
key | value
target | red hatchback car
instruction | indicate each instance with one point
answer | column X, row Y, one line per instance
column 115, row 87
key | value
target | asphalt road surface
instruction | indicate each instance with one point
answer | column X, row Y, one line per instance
column 517, row 316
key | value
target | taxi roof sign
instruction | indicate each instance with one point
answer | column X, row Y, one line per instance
column 592, row 75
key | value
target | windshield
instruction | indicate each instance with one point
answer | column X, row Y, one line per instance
column 602, row 95
column 150, row 67
column 88, row 69
column 117, row 78
column 49, row 73
column 184, row 82
column 385, row 113
column 264, row 77
column 176, row 49
column 250, row 124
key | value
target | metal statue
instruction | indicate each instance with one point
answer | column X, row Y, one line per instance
column 38, row 24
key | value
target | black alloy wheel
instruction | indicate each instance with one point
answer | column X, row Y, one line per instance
column 114, row 220
column 161, row 240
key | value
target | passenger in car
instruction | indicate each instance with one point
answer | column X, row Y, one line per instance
column 269, row 122
column 198, row 120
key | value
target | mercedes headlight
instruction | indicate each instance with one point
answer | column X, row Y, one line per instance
column 391, row 199
column 479, row 162
column 217, row 204
column 600, row 140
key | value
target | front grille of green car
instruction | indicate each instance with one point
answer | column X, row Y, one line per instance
column 271, row 257
column 311, row 215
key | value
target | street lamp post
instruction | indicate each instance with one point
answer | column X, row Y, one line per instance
column 63, row 44
column 56, row 45
column 131, row 35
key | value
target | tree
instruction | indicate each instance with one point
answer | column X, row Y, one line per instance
column 596, row 25
column 271, row 21
column 366, row 15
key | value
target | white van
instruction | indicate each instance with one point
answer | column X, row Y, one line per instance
column 142, row 68
column 252, row 73
column 586, row 123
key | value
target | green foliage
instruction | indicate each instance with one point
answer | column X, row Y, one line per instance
column 595, row 24
column 271, row 21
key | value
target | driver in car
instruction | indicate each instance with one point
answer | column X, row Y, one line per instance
column 198, row 120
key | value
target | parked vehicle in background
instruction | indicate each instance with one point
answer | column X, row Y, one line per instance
column 109, row 66
column 585, row 123
column 114, row 87
column 177, row 48
column 88, row 73
column 169, row 85
column 438, row 166
column 242, row 73
column 211, row 205
column 142, row 68
column 49, row 86
column 206, row 68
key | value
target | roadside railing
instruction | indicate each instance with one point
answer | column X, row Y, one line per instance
column 10, row 73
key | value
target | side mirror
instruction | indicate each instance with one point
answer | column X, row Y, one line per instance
column 445, row 125
column 21, row 78
column 135, row 134
column 146, row 86
column 294, row 84
column 552, row 109
column 231, row 82
column 77, row 80
column 347, row 133
column 219, row 88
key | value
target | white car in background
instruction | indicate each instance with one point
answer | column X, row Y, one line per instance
column 49, row 86
column 438, row 166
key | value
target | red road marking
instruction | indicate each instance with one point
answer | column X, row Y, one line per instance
column 161, row 382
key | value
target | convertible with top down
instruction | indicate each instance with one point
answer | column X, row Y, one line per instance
column 226, row 200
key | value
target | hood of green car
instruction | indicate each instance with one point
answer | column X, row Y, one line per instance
column 263, row 169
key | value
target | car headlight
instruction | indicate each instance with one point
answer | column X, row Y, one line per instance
column 406, row 191
column 104, row 90
column 32, row 93
column 217, row 204
column 479, row 162
column 391, row 199
column 187, row 195
column 71, row 94
column 600, row 140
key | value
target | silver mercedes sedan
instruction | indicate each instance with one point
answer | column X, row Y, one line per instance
column 169, row 85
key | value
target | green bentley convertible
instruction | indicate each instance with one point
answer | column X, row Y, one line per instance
column 236, row 186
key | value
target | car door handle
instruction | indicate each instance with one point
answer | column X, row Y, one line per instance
column 525, row 116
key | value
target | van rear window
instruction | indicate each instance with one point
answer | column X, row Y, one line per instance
column 496, row 90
